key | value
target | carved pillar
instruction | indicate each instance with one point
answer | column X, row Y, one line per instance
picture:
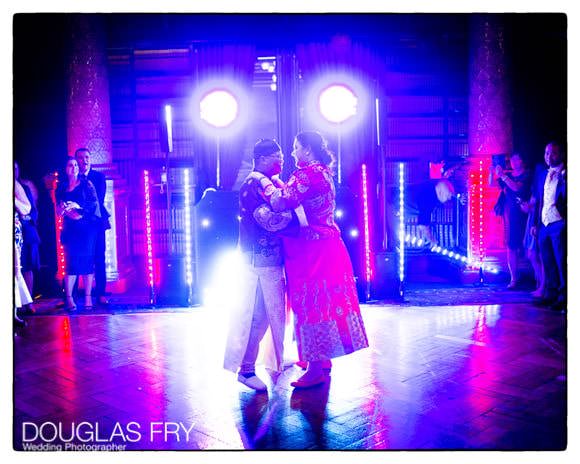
column 88, row 110
column 89, row 125
column 490, row 132
column 490, row 111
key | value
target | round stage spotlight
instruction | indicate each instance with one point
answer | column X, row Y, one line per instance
column 219, row 108
column 337, row 103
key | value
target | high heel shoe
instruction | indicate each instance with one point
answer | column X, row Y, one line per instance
column 88, row 302
column 70, row 304
column 326, row 365
column 309, row 382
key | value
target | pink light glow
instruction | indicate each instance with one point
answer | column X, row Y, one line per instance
column 148, row 229
column 367, row 242
column 485, row 229
column 60, row 248
column 60, row 261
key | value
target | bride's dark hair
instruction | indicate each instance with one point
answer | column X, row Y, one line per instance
column 317, row 144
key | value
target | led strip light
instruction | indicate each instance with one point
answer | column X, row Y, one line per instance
column 188, row 256
column 367, row 243
column 415, row 242
column 401, row 224
column 148, row 233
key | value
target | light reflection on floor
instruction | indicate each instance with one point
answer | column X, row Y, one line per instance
column 452, row 377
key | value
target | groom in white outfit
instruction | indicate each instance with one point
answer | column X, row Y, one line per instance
column 263, row 303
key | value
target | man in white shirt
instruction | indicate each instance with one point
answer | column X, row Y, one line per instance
column 550, row 224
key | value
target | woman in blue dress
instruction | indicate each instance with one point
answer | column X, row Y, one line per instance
column 77, row 203
column 516, row 188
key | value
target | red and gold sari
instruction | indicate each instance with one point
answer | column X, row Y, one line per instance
column 321, row 286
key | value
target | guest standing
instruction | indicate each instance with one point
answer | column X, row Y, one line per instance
column 102, row 224
column 531, row 244
column 21, row 294
column 550, row 225
column 515, row 186
column 78, row 205
column 30, row 257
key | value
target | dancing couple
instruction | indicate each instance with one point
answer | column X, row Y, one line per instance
column 294, row 254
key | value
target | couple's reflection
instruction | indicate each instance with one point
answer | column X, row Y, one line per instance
column 253, row 407
column 263, row 423
column 311, row 402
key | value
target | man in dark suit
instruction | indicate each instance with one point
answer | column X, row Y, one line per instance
column 83, row 157
column 549, row 219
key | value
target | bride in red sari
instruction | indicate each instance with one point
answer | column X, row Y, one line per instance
column 321, row 286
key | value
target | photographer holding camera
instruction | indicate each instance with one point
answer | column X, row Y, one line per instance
column 515, row 185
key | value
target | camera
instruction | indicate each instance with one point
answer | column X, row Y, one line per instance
column 498, row 160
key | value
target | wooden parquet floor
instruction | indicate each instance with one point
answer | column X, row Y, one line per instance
column 433, row 378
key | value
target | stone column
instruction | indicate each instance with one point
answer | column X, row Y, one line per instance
column 490, row 111
column 89, row 125
column 490, row 133
column 88, row 109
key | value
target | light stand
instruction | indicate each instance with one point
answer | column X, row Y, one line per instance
column 218, row 167
column 339, row 154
